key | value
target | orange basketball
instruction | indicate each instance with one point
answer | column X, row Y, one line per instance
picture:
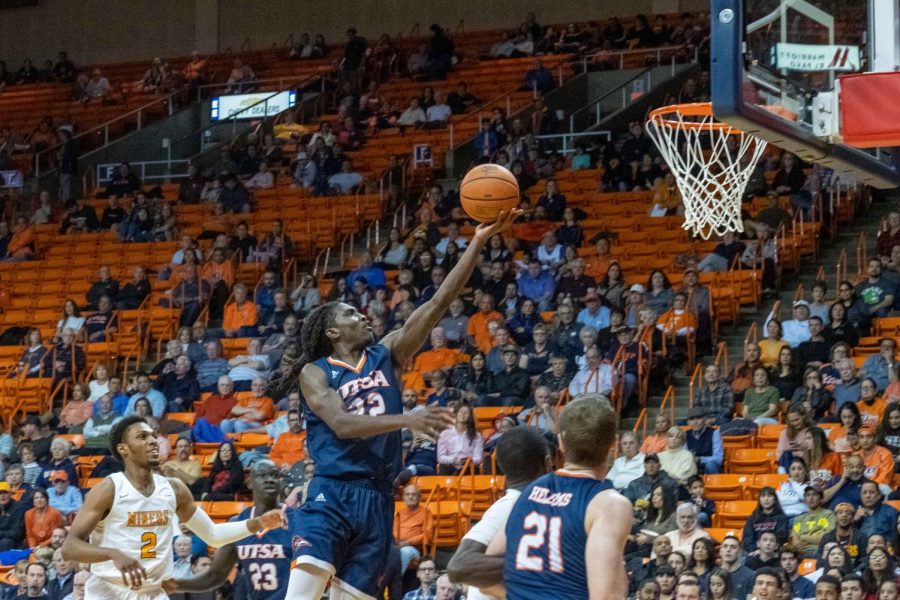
column 486, row 190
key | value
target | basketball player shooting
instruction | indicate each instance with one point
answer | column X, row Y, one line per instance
column 264, row 558
column 566, row 534
column 130, row 520
column 354, row 416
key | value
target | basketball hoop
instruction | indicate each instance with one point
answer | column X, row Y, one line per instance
column 711, row 172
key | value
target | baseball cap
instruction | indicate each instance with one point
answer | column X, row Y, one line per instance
column 867, row 428
column 510, row 348
column 696, row 412
column 801, row 303
column 591, row 297
column 4, row 486
column 651, row 456
column 637, row 288
column 817, row 489
column 59, row 476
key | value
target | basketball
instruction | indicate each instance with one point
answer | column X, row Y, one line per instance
column 486, row 190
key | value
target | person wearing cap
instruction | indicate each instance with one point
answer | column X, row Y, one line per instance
column 634, row 304
column 845, row 533
column 877, row 460
column 594, row 314
column 12, row 520
column 512, row 384
column 874, row 517
column 704, row 442
column 653, row 476
column 62, row 496
column 794, row 331
column 811, row 526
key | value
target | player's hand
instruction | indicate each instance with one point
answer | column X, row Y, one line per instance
column 431, row 421
column 504, row 221
column 170, row 586
column 274, row 519
column 132, row 571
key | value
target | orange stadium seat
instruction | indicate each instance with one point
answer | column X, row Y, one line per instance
column 752, row 461
column 732, row 514
column 725, row 486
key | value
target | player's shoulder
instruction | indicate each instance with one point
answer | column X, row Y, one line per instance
column 609, row 505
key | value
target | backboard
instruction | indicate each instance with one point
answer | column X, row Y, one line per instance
column 774, row 68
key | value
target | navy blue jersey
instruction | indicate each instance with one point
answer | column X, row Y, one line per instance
column 545, row 538
column 265, row 561
column 370, row 388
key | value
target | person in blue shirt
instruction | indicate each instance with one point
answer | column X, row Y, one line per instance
column 801, row 587
column 264, row 561
column 155, row 397
column 879, row 365
column 848, row 486
column 874, row 517
column 538, row 285
column 539, row 77
column 62, row 496
column 374, row 274
column 594, row 314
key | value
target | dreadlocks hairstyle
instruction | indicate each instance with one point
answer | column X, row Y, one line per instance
column 117, row 434
column 316, row 344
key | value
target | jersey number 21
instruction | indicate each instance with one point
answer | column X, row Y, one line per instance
column 542, row 532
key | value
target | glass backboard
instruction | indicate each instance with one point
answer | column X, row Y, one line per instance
column 775, row 61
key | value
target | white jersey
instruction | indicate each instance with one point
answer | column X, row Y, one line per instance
column 142, row 527
column 493, row 520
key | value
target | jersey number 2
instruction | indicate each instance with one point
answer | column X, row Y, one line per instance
column 543, row 531
column 263, row 577
column 148, row 545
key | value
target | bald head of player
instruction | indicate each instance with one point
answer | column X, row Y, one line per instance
column 265, row 483
column 335, row 328
column 587, row 431
column 133, row 442
column 522, row 455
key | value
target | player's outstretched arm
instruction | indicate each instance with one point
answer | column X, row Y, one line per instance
column 212, row 578
column 219, row 534
column 472, row 566
column 76, row 548
column 329, row 407
column 406, row 342
column 608, row 522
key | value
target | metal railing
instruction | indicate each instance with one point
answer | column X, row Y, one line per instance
column 568, row 139
column 657, row 53
column 104, row 128
column 147, row 170
column 244, row 87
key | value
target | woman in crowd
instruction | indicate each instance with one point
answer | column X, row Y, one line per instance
column 306, row 295
column 770, row 347
column 839, row 328
column 720, row 585
column 784, row 375
column 77, row 410
column 792, row 437
column 842, row 436
column 823, row 464
column 460, row 443
column 99, row 385
column 703, row 557
column 393, row 252
column 889, row 432
column 71, row 319
column 790, row 492
column 767, row 516
column 473, row 380
column 612, row 287
column 32, row 357
column 660, row 296
column 812, row 395
column 659, row 520
column 41, row 520
column 881, row 567
column 226, row 476
column 761, row 400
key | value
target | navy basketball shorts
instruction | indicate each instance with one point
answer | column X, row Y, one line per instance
column 345, row 528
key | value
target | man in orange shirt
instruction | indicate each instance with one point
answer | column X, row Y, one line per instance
column 218, row 269
column 411, row 524
column 598, row 263
column 290, row 446
column 878, row 460
column 250, row 412
column 240, row 315
column 440, row 356
column 477, row 329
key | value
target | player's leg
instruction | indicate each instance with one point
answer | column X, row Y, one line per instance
column 362, row 575
column 307, row 582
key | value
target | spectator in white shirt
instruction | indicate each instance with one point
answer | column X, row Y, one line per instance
column 306, row 170
column 346, row 180
column 452, row 236
column 630, row 465
column 594, row 378
column 413, row 116
column 795, row 331
column 438, row 113
column 262, row 179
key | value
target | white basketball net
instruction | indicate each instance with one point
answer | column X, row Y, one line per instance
column 711, row 176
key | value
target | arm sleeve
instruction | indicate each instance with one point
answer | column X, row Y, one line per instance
column 216, row 534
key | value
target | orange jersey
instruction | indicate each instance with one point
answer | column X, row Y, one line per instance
column 240, row 316
column 879, row 465
column 677, row 323
column 288, row 448
column 442, row 358
column 262, row 404
column 871, row 413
